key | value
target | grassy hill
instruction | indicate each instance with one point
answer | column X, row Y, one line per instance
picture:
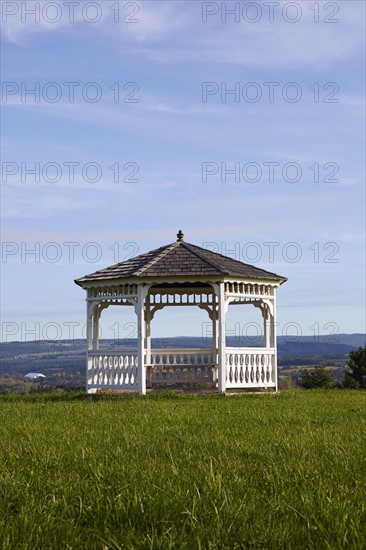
column 188, row 472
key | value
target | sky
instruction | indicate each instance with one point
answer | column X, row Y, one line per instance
column 241, row 123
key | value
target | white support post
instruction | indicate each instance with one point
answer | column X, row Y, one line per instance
column 96, row 318
column 267, row 328
column 274, row 339
column 89, row 339
column 215, row 343
column 222, row 340
column 141, row 340
column 148, row 343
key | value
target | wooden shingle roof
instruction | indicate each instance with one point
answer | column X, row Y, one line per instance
column 177, row 259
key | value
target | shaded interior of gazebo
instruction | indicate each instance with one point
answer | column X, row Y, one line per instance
column 181, row 274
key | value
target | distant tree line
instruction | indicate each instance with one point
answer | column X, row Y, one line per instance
column 354, row 378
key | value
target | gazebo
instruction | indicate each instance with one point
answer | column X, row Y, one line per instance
column 181, row 274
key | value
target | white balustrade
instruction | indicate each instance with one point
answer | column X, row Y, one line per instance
column 177, row 366
column 113, row 369
column 245, row 367
column 250, row 368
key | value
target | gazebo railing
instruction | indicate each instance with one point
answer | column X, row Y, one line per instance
column 113, row 369
column 250, row 368
column 177, row 366
column 245, row 367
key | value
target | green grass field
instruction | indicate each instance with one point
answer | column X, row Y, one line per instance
column 183, row 471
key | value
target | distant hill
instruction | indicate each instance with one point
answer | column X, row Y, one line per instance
column 313, row 348
column 66, row 356
column 337, row 343
column 355, row 340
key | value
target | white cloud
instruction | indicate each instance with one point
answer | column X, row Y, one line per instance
column 22, row 20
column 263, row 44
column 173, row 32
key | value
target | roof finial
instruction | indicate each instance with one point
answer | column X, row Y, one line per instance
column 180, row 236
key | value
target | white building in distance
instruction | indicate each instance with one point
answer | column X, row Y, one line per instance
column 34, row 376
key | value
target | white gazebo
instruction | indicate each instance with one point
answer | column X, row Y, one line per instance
column 181, row 274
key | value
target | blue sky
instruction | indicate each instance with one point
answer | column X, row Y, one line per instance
column 174, row 129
